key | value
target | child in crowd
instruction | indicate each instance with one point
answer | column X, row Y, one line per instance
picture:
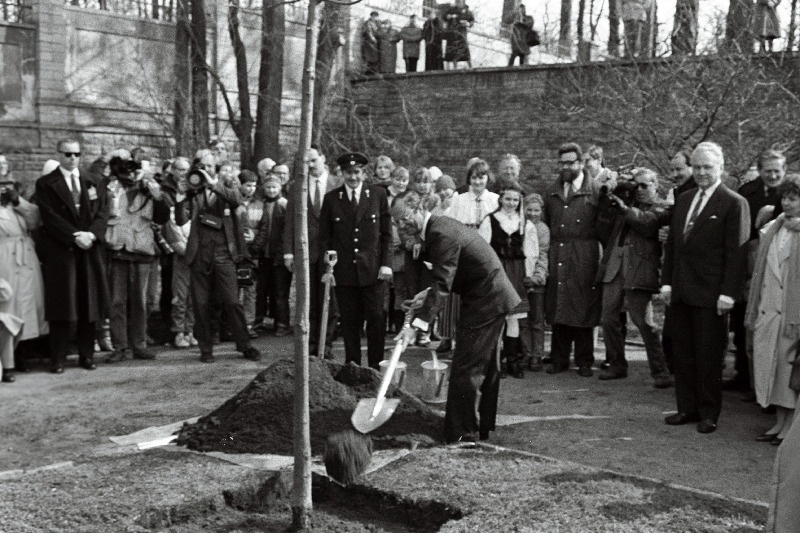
column 398, row 290
column 532, row 333
column 445, row 188
column 273, row 277
column 516, row 243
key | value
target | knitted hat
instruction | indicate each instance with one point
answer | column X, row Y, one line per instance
column 445, row 182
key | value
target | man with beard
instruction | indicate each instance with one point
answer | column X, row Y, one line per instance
column 572, row 295
column 355, row 223
column 462, row 262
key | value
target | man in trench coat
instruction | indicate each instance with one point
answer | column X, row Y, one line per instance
column 71, row 250
column 572, row 294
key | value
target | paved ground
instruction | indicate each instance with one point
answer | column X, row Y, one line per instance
column 48, row 418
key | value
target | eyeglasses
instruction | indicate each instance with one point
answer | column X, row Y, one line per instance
column 71, row 154
column 568, row 163
column 643, row 185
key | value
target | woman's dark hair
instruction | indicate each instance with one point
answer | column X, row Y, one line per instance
column 790, row 185
column 477, row 168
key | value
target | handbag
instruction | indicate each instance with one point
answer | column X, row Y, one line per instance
column 245, row 273
column 532, row 38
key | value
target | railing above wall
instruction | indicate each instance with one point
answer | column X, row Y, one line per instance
column 163, row 10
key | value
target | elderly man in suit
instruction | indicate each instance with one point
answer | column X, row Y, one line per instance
column 320, row 182
column 70, row 248
column 704, row 270
column 465, row 264
column 355, row 223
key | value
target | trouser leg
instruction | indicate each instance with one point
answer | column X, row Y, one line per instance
column 684, row 363
column 351, row 307
column 613, row 301
column 225, row 282
column 120, row 279
column 640, row 309
column 561, row 345
column 584, row 346
column 372, row 303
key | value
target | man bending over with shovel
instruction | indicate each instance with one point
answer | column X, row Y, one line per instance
column 463, row 263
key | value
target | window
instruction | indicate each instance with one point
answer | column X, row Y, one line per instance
column 146, row 9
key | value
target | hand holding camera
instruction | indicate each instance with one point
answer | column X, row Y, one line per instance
column 9, row 195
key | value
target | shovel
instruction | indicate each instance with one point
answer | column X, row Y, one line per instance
column 328, row 281
column 371, row 413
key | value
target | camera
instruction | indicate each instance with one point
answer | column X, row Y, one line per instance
column 123, row 167
column 625, row 191
column 8, row 195
column 197, row 179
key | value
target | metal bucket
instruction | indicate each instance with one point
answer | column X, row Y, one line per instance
column 399, row 372
column 435, row 382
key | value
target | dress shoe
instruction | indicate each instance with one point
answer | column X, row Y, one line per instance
column 662, row 382
column 776, row 441
column 516, row 369
column 535, row 364
column 735, row 384
column 608, row 374
column 445, row 346
column 748, row 397
column 283, row 331
column 206, row 357
column 8, row 377
column 143, row 353
column 252, row 354
column 483, row 435
column 706, row 426
column 546, row 360
column 105, row 344
column 766, row 437
column 585, row 372
column 88, row 364
column 678, row 419
column 252, row 333
column 556, row 369
column 604, row 365
column 57, row 369
column 768, row 410
column 118, row 355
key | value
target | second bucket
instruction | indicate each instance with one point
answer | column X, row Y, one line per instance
column 435, row 381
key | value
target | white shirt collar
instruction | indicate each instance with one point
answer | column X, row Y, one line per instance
column 577, row 183
column 425, row 221
column 356, row 191
column 708, row 192
column 68, row 174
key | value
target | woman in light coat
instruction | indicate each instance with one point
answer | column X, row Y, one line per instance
column 773, row 311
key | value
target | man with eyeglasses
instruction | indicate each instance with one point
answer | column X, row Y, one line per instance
column 629, row 273
column 572, row 294
column 70, row 247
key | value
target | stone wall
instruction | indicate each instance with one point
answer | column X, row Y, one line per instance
column 640, row 112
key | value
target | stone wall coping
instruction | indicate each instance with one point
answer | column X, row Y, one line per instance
column 111, row 14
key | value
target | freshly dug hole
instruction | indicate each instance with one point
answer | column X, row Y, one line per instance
column 259, row 419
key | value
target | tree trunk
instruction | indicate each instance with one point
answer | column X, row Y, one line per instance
column 301, row 492
column 270, row 81
column 791, row 38
column 183, row 82
column 613, row 28
column 243, row 126
column 199, row 73
column 684, row 33
column 333, row 15
column 738, row 27
column 565, row 32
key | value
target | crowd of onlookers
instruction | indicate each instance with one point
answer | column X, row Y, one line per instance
column 98, row 248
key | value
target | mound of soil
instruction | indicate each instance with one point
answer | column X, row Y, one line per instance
column 259, row 419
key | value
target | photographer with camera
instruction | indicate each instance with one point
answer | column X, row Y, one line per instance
column 630, row 271
column 215, row 246
column 135, row 202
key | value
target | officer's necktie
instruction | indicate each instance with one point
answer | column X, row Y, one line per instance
column 693, row 215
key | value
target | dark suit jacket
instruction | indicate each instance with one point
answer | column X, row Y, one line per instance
column 753, row 192
column 270, row 232
column 59, row 253
column 228, row 199
column 711, row 261
column 287, row 242
column 465, row 264
column 361, row 238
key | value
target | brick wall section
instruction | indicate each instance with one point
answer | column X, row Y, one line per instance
column 446, row 118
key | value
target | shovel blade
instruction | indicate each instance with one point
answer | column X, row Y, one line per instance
column 362, row 418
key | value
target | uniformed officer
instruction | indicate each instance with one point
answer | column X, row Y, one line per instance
column 355, row 223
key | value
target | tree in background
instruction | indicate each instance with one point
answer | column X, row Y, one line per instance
column 565, row 33
column 190, row 121
column 613, row 28
column 739, row 26
column 270, row 81
column 334, row 20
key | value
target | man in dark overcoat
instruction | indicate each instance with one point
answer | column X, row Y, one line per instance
column 70, row 248
column 465, row 264
column 355, row 223
column 572, row 294
column 704, row 271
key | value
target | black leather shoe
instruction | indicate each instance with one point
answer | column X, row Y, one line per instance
column 776, row 441
column 735, row 384
column 57, row 369
column 556, row 369
column 608, row 374
column 207, row 357
column 8, row 377
column 252, row 354
column 766, row 437
column 585, row 372
column 88, row 365
column 143, row 353
column 679, row 419
column 706, row 426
